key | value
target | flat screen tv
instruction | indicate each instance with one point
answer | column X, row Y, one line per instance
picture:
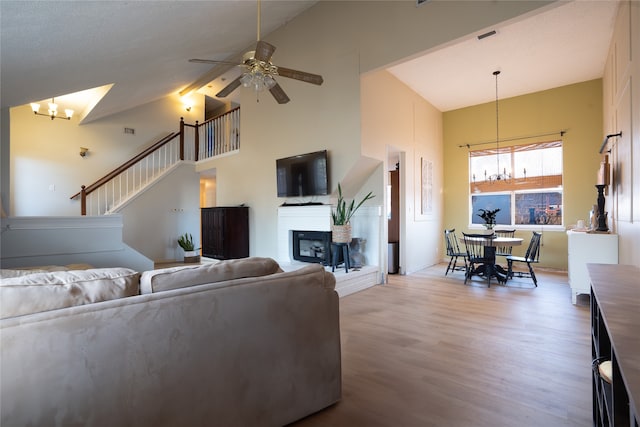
column 303, row 175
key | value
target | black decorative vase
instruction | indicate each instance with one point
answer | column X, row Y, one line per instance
column 602, row 215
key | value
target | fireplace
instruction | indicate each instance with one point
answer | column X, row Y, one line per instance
column 312, row 246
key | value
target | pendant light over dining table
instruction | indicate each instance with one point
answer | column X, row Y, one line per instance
column 498, row 176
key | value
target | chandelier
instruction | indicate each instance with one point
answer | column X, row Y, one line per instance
column 504, row 176
column 52, row 112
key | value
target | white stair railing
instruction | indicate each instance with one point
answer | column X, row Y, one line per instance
column 219, row 135
column 215, row 137
column 122, row 188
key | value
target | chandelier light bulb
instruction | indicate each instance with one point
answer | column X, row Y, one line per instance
column 53, row 109
column 269, row 82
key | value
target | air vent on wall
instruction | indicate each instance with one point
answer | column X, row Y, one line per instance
column 487, row 34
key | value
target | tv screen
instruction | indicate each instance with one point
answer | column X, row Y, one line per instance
column 303, row 175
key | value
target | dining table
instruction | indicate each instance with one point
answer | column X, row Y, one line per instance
column 490, row 243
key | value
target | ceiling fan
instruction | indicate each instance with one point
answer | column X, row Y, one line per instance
column 259, row 72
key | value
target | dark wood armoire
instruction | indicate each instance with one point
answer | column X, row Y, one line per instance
column 225, row 232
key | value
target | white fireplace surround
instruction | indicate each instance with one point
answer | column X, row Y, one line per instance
column 366, row 224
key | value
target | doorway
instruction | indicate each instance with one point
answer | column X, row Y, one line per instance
column 393, row 220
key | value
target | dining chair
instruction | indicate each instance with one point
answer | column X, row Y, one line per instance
column 453, row 251
column 532, row 256
column 477, row 263
column 504, row 250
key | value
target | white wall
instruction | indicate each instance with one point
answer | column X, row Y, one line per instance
column 170, row 208
column 414, row 127
column 5, row 177
column 97, row 241
column 621, row 96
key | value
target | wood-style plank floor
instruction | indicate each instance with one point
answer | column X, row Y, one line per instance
column 427, row 350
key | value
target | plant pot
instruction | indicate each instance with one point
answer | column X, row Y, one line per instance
column 341, row 233
column 191, row 257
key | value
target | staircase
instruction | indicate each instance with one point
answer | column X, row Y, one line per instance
column 215, row 137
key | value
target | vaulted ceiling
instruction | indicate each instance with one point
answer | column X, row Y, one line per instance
column 559, row 45
column 53, row 48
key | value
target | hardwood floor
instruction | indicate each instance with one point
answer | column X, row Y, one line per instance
column 427, row 350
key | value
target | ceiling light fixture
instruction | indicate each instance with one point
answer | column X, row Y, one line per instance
column 258, row 74
column 504, row 176
column 52, row 111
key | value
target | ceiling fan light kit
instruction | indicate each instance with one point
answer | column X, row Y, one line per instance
column 259, row 72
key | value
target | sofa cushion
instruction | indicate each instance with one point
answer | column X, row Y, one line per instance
column 52, row 290
column 23, row 271
column 182, row 277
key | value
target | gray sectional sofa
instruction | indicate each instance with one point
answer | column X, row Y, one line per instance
column 198, row 346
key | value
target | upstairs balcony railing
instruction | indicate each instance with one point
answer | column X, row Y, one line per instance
column 215, row 137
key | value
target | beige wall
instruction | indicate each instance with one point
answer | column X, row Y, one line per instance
column 575, row 108
column 406, row 123
column 341, row 41
column 46, row 169
column 622, row 114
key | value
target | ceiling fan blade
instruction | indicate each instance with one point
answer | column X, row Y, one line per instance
column 316, row 79
column 229, row 88
column 264, row 51
column 211, row 61
column 215, row 72
column 279, row 94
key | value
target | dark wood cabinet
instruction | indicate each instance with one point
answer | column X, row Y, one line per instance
column 615, row 322
column 225, row 232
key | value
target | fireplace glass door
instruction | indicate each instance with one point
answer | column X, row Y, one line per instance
column 312, row 246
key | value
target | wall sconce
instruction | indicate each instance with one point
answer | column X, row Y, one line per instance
column 188, row 104
column 83, row 152
column 52, row 111
column 606, row 140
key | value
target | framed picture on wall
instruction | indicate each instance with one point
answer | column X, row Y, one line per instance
column 424, row 200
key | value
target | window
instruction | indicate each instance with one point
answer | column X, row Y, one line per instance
column 532, row 193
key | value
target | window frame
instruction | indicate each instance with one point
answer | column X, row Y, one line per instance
column 512, row 192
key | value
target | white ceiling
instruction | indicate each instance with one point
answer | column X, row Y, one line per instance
column 53, row 48
column 564, row 44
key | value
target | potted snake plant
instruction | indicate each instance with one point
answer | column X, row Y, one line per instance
column 190, row 252
column 341, row 215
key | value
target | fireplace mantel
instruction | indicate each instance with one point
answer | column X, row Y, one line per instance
column 367, row 223
column 311, row 218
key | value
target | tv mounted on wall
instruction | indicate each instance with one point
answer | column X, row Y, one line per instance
column 303, row 175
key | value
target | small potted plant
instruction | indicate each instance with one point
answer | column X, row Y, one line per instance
column 489, row 217
column 341, row 229
column 190, row 252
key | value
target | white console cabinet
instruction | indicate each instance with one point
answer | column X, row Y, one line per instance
column 587, row 248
